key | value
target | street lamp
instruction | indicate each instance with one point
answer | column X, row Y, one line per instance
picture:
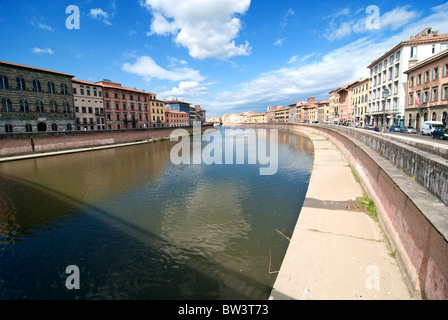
column 385, row 96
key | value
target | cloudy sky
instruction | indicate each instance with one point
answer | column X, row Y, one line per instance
column 225, row 55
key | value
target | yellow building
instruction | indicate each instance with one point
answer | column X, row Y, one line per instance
column 359, row 102
column 258, row 118
column 334, row 106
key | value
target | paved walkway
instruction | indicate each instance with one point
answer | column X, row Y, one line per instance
column 337, row 251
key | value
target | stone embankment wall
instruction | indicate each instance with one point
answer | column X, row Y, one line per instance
column 408, row 186
column 28, row 143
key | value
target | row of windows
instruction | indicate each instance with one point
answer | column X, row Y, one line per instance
column 21, row 85
column 359, row 100
column 131, row 96
column 40, row 127
column 383, row 64
column 38, row 107
column 98, row 111
column 428, row 75
column 96, row 93
column 376, row 80
column 90, row 120
column 429, row 95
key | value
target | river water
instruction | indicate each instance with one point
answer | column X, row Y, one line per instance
column 137, row 226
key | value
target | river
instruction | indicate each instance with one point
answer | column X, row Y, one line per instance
column 137, row 226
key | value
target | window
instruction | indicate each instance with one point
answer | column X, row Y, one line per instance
column 398, row 56
column 36, row 86
column 411, row 82
column 435, row 73
column 54, row 107
column 39, row 106
column 74, row 91
column 8, row 128
column 443, row 47
column 445, row 92
column 21, row 85
column 54, row 127
column 28, row 128
column 433, row 48
column 445, row 70
column 414, row 52
column 66, row 108
column 425, row 97
column 4, row 82
column 51, row 88
column 397, row 71
column 435, row 94
column 426, row 76
column 24, row 107
column 64, row 89
column 6, row 105
column 411, row 99
column 69, row 127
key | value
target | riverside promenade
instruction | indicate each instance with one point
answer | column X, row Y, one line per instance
column 337, row 251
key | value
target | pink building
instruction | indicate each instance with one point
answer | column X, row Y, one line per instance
column 427, row 91
column 176, row 118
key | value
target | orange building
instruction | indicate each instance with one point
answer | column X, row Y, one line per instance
column 125, row 108
column 176, row 118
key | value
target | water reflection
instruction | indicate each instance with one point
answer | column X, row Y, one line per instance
column 139, row 227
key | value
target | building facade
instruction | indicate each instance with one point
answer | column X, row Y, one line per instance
column 176, row 105
column 258, row 118
column 34, row 99
column 176, row 118
column 125, row 108
column 323, row 111
column 334, row 107
column 359, row 102
column 388, row 81
column 89, row 107
column 157, row 113
column 427, row 91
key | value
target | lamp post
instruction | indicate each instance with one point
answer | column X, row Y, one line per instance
column 385, row 96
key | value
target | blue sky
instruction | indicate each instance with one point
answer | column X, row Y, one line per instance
column 225, row 55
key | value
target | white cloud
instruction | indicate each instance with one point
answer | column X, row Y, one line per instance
column 42, row 51
column 208, row 29
column 147, row 68
column 279, row 42
column 100, row 14
column 41, row 25
column 343, row 23
column 397, row 18
column 187, row 90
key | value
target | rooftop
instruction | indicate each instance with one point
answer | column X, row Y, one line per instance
column 34, row 68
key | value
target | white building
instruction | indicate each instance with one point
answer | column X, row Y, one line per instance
column 387, row 76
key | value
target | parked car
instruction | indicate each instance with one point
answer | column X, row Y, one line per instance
column 440, row 133
column 394, row 129
column 408, row 129
column 430, row 126
column 368, row 127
